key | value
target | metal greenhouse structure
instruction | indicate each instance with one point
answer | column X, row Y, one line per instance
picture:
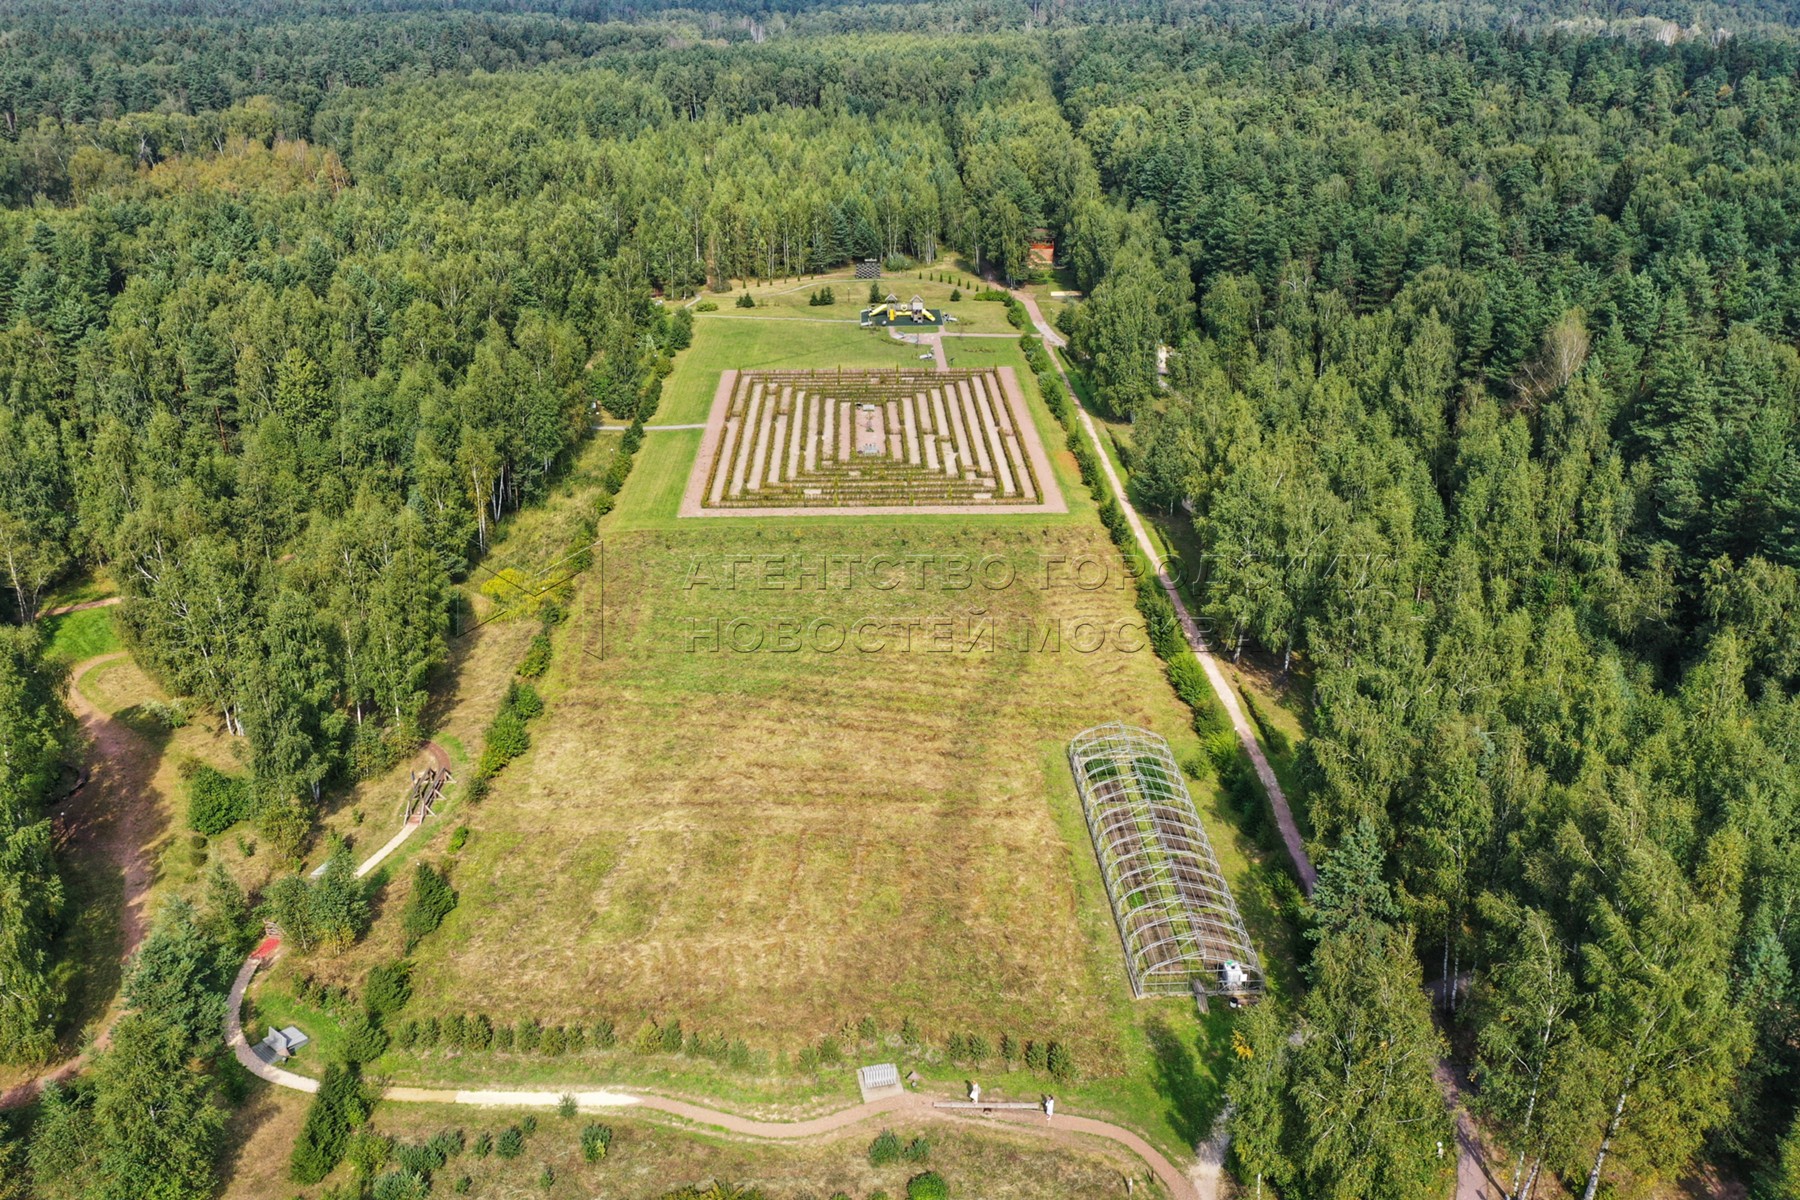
column 1176, row 916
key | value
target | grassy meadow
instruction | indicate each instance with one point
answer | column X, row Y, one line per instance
column 773, row 844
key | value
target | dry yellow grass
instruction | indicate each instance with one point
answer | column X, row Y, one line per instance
column 776, row 844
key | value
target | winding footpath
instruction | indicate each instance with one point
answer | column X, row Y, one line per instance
column 912, row 1105
column 1215, row 674
column 110, row 811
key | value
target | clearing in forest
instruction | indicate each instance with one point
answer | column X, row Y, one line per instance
column 799, row 771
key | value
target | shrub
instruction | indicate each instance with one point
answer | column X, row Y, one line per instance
column 484, row 1144
column 387, row 989
column 955, row 295
column 978, row 1048
column 428, row 1033
column 596, row 1140
column 740, row 1054
column 671, row 1037
column 865, row 1029
column 830, row 1053
column 506, row 739
column 917, row 1150
column 565, row 1105
column 551, row 1042
column 956, row 1049
column 420, row 1159
column 216, row 801
column 364, row 1039
column 401, row 1185
column 479, row 1032
column 511, row 1142
column 464, row 1185
column 407, row 1036
column 1035, row 1058
column 526, row 1036
column 503, row 1037
column 1009, row 1049
column 575, row 1039
column 446, row 1144
column 1058, row 1060
column 529, row 1124
column 368, row 1153
column 706, row 306
column 537, row 657
column 927, row 1186
column 909, row 1032
column 459, row 839
column 338, row 1109
column 604, row 1035
column 430, row 902
column 746, row 301
column 456, row 1031
column 546, row 1177
column 885, row 1149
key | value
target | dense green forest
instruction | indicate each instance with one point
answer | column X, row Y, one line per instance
column 1484, row 403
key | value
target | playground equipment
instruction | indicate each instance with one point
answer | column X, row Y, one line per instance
column 892, row 312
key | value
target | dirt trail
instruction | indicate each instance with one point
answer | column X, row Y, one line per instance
column 913, row 1106
column 1284, row 816
column 60, row 609
column 114, row 817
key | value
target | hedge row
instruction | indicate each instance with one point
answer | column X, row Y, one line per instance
column 477, row 1032
column 1161, row 625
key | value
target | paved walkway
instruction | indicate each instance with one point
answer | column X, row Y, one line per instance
column 1284, row 817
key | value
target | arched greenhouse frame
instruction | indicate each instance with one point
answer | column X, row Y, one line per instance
column 1176, row 916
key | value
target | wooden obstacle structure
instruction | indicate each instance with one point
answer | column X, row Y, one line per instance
column 427, row 786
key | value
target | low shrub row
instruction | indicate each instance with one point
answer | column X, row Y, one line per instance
column 618, row 470
column 887, row 1149
column 507, row 737
column 476, row 1032
column 1276, row 739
